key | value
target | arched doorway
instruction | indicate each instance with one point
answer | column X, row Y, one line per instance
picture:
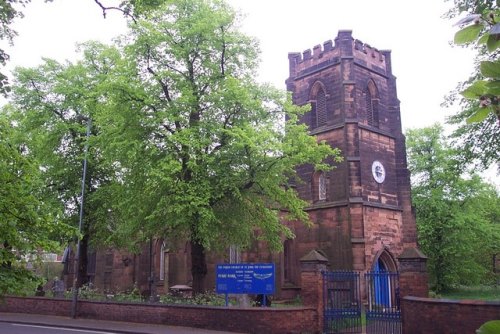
column 384, row 280
column 383, row 295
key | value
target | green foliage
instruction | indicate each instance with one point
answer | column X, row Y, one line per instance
column 479, row 119
column 28, row 224
column 485, row 31
column 457, row 216
column 51, row 105
column 202, row 151
column 207, row 298
column 472, row 6
column 8, row 13
column 184, row 144
column 477, row 142
column 138, row 8
column 228, row 157
column 89, row 292
column 468, row 34
column 133, row 295
column 17, row 280
column 491, row 293
column 490, row 327
column 49, row 270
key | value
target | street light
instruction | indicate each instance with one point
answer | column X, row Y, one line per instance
column 80, row 222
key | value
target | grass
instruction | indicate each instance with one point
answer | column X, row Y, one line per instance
column 491, row 293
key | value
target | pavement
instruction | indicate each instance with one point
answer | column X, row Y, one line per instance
column 100, row 325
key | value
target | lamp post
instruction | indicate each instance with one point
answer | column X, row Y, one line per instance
column 80, row 221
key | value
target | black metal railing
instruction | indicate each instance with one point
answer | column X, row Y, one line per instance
column 342, row 302
column 383, row 313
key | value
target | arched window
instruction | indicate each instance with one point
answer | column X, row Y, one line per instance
column 372, row 102
column 164, row 262
column 321, row 108
column 319, row 115
column 322, row 187
column 287, row 261
column 385, row 261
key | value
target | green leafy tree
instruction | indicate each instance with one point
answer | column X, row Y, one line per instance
column 52, row 105
column 203, row 153
column 457, row 217
column 29, row 225
column 477, row 134
column 48, row 111
column 184, row 145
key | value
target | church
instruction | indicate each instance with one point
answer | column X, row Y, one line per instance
column 361, row 212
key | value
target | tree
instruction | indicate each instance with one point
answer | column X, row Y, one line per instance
column 47, row 110
column 185, row 144
column 51, row 105
column 457, row 216
column 60, row 181
column 202, row 151
column 29, row 226
column 479, row 120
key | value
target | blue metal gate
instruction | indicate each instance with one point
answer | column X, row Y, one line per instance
column 342, row 302
column 383, row 313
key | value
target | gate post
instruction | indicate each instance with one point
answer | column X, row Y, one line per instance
column 312, row 288
column 413, row 276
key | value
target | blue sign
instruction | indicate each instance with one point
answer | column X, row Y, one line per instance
column 253, row 278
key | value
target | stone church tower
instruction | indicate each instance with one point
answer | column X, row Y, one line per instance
column 361, row 210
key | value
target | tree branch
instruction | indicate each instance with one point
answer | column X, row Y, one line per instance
column 163, row 85
column 223, row 54
column 125, row 12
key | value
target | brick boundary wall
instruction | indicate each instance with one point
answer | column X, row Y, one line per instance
column 443, row 316
column 245, row 320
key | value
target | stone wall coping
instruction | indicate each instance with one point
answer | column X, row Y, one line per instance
column 412, row 253
column 179, row 306
column 453, row 301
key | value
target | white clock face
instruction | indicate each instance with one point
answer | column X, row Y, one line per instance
column 378, row 171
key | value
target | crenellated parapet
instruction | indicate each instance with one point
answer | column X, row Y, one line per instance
column 332, row 52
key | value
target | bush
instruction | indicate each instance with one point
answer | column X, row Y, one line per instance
column 208, row 298
column 490, row 327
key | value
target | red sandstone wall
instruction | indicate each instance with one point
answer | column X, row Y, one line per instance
column 383, row 229
column 426, row 315
column 244, row 320
column 420, row 315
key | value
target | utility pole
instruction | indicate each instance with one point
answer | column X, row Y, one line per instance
column 80, row 222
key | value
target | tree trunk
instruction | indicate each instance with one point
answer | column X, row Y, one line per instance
column 7, row 264
column 82, row 268
column 198, row 266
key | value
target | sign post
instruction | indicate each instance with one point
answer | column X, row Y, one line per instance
column 242, row 278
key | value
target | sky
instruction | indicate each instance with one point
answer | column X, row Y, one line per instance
column 424, row 63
